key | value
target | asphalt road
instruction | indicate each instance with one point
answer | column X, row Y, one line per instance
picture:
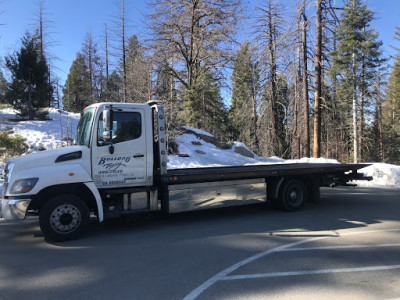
column 345, row 247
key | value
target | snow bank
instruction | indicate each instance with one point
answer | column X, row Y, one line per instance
column 57, row 132
column 384, row 175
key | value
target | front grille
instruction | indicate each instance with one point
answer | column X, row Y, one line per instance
column 6, row 178
column 3, row 190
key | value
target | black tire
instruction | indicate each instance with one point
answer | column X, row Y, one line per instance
column 64, row 218
column 292, row 195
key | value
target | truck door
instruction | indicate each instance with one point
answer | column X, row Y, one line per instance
column 120, row 161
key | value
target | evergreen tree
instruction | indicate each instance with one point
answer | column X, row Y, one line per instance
column 243, row 114
column 164, row 90
column 138, row 83
column 391, row 114
column 114, row 87
column 203, row 106
column 93, row 67
column 281, row 130
column 162, row 87
column 84, row 82
column 77, row 89
column 30, row 88
column 355, row 63
column 3, row 88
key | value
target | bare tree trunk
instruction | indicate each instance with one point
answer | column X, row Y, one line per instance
column 305, row 84
column 355, row 132
column 355, row 127
column 296, row 112
column 90, row 62
column 272, row 48
column 297, row 71
column 254, row 117
column 380, row 123
column 107, row 62
column 41, row 38
column 194, row 43
column 31, row 113
column 123, row 51
column 317, row 96
column 362, row 94
column 49, row 81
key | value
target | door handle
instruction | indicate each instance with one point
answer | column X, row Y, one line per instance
column 138, row 155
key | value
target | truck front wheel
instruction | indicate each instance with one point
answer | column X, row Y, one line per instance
column 292, row 195
column 64, row 218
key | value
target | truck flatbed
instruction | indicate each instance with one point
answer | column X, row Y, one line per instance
column 210, row 174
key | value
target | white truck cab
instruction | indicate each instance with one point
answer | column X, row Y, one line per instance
column 113, row 149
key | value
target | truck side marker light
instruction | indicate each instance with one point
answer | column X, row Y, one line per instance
column 71, row 174
column 274, row 172
column 175, row 178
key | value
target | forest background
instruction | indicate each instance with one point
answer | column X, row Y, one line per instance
column 288, row 78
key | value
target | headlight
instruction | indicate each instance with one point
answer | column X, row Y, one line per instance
column 23, row 185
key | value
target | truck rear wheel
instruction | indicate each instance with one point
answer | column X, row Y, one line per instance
column 292, row 195
column 64, row 218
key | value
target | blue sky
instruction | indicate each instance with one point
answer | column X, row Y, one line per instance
column 68, row 24
column 70, row 20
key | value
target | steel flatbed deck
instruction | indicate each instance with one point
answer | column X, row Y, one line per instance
column 210, row 174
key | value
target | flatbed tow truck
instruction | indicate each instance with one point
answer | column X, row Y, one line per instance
column 119, row 167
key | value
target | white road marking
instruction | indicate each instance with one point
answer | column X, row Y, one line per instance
column 223, row 274
column 341, row 247
column 311, row 272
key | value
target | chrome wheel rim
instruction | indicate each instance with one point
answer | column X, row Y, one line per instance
column 65, row 218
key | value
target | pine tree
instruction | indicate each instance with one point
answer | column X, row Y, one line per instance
column 42, row 32
column 164, row 90
column 77, row 89
column 93, row 66
column 203, row 107
column 3, row 88
column 115, row 87
column 391, row 114
column 138, row 83
column 355, row 63
column 243, row 114
column 30, row 88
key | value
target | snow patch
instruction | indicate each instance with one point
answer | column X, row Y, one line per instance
column 384, row 175
column 57, row 132
column 198, row 131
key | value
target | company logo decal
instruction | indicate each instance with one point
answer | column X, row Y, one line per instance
column 113, row 165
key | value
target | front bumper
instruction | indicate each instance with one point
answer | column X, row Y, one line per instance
column 14, row 209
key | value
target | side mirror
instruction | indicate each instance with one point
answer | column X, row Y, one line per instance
column 107, row 124
column 107, row 135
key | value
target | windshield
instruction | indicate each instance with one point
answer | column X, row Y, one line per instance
column 85, row 127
